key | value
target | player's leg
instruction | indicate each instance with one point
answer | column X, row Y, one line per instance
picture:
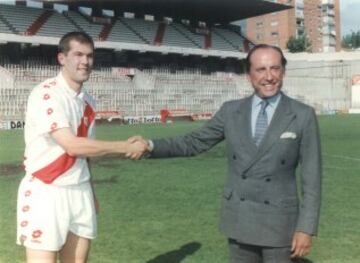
column 75, row 250
column 40, row 256
column 83, row 224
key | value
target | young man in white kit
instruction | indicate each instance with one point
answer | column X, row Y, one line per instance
column 56, row 204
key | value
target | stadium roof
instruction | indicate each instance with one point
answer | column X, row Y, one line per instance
column 210, row 11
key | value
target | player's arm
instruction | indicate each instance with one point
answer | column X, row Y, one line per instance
column 81, row 146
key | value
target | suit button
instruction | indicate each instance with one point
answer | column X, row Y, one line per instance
column 243, row 177
column 234, row 157
column 282, row 162
column 268, row 179
column 266, row 202
column 242, row 199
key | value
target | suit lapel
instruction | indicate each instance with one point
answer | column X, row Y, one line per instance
column 243, row 125
column 280, row 121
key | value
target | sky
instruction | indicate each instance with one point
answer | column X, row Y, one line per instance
column 349, row 16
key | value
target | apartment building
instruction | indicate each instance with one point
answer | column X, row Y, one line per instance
column 318, row 19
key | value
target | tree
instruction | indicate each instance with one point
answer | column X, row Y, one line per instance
column 352, row 40
column 298, row 44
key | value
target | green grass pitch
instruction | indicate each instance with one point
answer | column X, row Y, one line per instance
column 166, row 211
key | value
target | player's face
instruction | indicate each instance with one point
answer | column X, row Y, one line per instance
column 77, row 63
column 266, row 72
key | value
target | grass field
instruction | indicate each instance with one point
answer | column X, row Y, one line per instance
column 166, row 211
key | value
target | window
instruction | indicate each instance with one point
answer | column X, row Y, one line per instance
column 129, row 15
column 259, row 24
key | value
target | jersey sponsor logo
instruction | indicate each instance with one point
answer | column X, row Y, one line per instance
column 86, row 121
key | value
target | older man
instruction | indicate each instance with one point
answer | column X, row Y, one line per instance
column 267, row 135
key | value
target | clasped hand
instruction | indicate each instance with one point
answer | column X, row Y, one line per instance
column 137, row 147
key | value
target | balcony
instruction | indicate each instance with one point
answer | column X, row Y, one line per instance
column 328, row 2
column 331, row 12
column 329, row 41
column 328, row 21
column 299, row 4
column 329, row 30
column 299, row 14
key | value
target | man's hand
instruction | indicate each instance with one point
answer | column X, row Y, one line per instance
column 137, row 147
column 301, row 244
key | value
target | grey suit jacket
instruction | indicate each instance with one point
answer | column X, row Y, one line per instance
column 260, row 202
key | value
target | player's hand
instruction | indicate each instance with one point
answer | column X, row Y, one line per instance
column 301, row 244
column 139, row 138
column 137, row 147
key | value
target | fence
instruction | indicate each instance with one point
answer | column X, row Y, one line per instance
column 324, row 86
column 142, row 94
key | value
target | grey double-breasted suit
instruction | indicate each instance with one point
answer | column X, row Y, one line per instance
column 260, row 202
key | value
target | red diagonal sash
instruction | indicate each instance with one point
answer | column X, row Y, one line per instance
column 64, row 162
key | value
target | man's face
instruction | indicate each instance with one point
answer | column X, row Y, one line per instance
column 77, row 63
column 266, row 72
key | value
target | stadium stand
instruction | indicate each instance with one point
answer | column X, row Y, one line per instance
column 40, row 22
column 143, row 67
column 232, row 38
column 196, row 39
column 146, row 30
column 82, row 23
column 20, row 18
column 4, row 26
column 122, row 33
column 174, row 37
column 52, row 29
column 147, row 93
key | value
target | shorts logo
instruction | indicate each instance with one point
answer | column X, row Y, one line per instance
column 53, row 126
column 36, row 234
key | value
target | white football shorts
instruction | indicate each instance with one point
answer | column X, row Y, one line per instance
column 46, row 213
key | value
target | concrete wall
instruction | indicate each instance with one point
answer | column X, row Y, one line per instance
column 326, row 85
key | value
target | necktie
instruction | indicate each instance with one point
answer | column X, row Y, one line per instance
column 261, row 123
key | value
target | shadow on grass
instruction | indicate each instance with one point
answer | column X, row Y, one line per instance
column 110, row 180
column 176, row 256
column 303, row 260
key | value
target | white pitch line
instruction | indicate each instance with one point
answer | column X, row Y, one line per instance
column 337, row 167
column 342, row 157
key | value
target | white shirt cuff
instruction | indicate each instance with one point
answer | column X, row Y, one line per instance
column 151, row 145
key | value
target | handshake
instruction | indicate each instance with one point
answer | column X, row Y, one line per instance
column 137, row 147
